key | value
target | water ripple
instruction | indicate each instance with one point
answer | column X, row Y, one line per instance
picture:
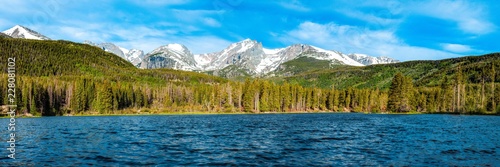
column 258, row 140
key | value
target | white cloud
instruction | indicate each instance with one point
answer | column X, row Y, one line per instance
column 294, row 5
column 457, row 48
column 211, row 22
column 350, row 39
column 204, row 17
column 469, row 16
column 137, row 36
column 81, row 34
column 196, row 44
column 203, row 44
column 160, row 2
column 384, row 20
column 14, row 7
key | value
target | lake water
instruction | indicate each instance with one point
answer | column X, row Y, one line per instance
column 256, row 140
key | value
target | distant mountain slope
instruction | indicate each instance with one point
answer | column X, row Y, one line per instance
column 250, row 58
column 22, row 32
column 369, row 60
column 64, row 58
column 174, row 56
column 2, row 35
column 45, row 58
column 134, row 56
column 247, row 58
column 424, row 73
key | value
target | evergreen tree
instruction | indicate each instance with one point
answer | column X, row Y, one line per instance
column 104, row 98
column 264, row 100
column 493, row 74
column 248, row 96
column 399, row 94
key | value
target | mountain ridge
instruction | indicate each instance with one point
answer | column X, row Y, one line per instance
column 246, row 57
column 250, row 57
column 19, row 31
column 134, row 56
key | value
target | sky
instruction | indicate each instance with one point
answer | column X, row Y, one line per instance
column 405, row 30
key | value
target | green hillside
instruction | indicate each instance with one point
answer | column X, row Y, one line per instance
column 300, row 65
column 66, row 59
column 423, row 73
column 232, row 72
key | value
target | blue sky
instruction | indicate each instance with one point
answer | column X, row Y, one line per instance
column 405, row 30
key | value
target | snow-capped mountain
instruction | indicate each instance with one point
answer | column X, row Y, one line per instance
column 246, row 57
column 22, row 32
column 249, row 56
column 274, row 58
column 134, row 56
column 246, row 54
column 369, row 60
column 175, row 56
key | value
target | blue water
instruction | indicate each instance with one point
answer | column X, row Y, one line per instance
column 256, row 140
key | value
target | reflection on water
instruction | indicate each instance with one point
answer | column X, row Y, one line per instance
column 245, row 140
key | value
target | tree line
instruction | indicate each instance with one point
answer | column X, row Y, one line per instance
column 86, row 95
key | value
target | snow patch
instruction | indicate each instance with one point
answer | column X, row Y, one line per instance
column 337, row 56
column 271, row 51
column 176, row 47
column 125, row 51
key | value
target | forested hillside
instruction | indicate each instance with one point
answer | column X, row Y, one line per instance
column 423, row 73
column 61, row 77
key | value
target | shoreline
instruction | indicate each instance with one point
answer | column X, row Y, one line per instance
column 260, row 113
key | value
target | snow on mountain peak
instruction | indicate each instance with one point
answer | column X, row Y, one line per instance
column 175, row 56
column 22, row 32
column 134, row 56
column 176, row 47
column 334, row 55
column 125, row 51
column 272, row 51
column 368, row 60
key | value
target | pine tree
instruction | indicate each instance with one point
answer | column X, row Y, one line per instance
column 408, row 100
column 493, row 74
column 459, row 87
column 400, row 93
column 104, row 98
column 286, row 97
column 275, row 98
column 264, row 100
column 248, row 96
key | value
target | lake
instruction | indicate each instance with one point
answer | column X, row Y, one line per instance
column 256, row 140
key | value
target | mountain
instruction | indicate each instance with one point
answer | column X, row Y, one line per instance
column 69, row 59
column 244, row 58
column 369, row 60
column 134, row 56
column 22, row 32
column 174, row 56
column 251, row 57
column 248, row 58
column 4, row 35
